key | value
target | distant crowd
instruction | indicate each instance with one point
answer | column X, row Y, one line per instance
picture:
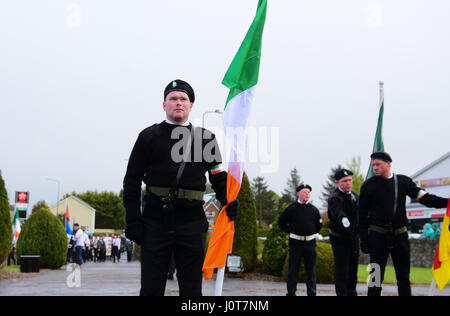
column 83, row 247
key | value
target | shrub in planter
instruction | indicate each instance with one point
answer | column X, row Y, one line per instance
column 43, row 234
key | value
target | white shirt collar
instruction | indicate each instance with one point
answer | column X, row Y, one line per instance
column 172, row 123
column 344, row 191
column 302, row 203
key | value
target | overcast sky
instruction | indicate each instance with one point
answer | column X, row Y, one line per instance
column 80, row 79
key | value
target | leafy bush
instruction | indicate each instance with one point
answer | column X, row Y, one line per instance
column 43, row 234
column 325, row 231
column 276, row 248
column 5, row 223
column 325, row 265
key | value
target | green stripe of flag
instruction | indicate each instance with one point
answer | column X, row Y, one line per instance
column 378, row 144
column 244, row 69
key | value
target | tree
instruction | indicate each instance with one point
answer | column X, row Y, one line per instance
column 43, row 234
column 271, row 211
column 109, row 209
column 329, row 186
column 289, row 194
column 265, row 201
column 245, row 242
column 358, row 178
column 276, row 248
column 5, row 223
column 38, row 205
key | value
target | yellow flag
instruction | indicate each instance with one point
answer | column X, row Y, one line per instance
column 441, row 267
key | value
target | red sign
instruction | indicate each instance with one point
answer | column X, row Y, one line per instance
column 22, row 197
column 416, row 213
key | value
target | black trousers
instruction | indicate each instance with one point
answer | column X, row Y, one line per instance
column 346, row 258
column 398, row 246
column 115, row 253
column 187, row 244
column 298, row 250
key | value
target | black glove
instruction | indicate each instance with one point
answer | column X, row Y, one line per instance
column 365, row 246
column 233, row 209
column 135, row 232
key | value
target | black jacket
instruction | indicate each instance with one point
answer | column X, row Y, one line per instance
column 151, row 161
column 376, row 203
column 342, row 205
column 300, row 219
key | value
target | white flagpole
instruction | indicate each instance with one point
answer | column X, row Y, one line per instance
column 219, row 281
column 432, row 287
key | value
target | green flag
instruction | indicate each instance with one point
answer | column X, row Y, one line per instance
column 378, row 144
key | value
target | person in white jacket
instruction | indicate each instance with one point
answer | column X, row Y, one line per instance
column 79, row 243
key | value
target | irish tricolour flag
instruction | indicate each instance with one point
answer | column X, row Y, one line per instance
column 241, row 78
column 16, row 227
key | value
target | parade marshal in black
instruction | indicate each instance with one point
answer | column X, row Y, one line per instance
column 172, row 158
column 383, row 230
column 344, row 240
column 301, row 220
column 151, row 162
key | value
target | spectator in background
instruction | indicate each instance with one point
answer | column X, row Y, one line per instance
column 428, row 231
column 437, row 231
column 12, row 255
column 115, row 249
column 79, row 243
column 101, row 249
column 95, row 247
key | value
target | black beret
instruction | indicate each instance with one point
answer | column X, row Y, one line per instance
column 342, row 174
column 303, row 186
column 382, row 156
column 180, row 85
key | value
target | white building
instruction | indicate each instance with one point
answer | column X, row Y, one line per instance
column 435, row 179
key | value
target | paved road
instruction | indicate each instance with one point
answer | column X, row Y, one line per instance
column 123, row 279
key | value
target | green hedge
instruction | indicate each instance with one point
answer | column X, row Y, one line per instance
column 5, row 223
column 43, row 234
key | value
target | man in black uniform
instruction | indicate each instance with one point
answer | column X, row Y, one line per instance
column 383, row 221
column 343, row 216
column 173, row 219
column 302, row 221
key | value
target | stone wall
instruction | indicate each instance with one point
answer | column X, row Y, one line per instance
column 422, row 253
